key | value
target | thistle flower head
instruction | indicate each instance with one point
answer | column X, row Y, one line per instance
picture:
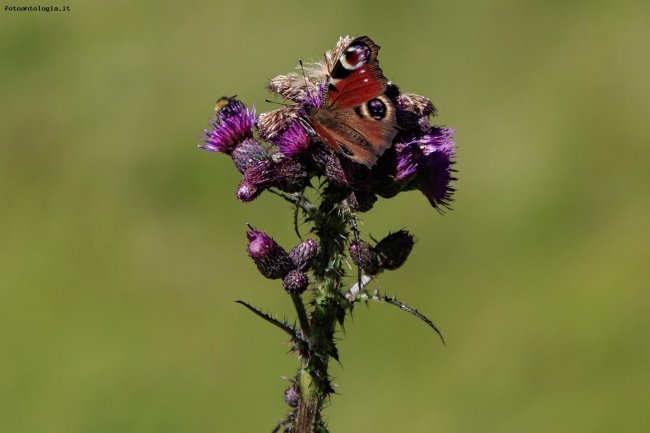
column 291, row 140
column 232, row 124
column 409, row 156
column 435, row 168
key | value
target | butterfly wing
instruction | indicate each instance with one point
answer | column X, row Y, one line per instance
column 356, row 77
column 356, row 118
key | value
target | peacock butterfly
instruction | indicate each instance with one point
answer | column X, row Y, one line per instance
column 355, row 117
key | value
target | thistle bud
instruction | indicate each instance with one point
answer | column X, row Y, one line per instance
column 286, row 174
column 303, row 254
column 248, row 153
column 364, row 255
column 292, row 175
column 291, row 396
column 362, row 201
column 394, row 249
column 295, row 282
column 271, row 259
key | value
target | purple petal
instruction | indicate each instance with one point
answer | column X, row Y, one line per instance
column 230, row 127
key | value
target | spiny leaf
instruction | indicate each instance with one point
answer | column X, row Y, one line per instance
column 289, row 329
column 393, row 301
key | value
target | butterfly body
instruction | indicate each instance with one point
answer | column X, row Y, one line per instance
column 355, row 117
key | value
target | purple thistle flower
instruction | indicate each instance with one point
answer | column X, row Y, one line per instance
column 423, row 163
column 228, row 107
column 396, row 168
column 284, row 128
column 271, row 259
column 434, row 178
column 439, row 139
column 292, row 140
column 408, row 159
column 435, row 173
column 313, row 97
column 231, row 126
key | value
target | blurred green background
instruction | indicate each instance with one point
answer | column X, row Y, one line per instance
column 122, row 246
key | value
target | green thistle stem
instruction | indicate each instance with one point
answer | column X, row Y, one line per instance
column 302, row 316
column 329, row 306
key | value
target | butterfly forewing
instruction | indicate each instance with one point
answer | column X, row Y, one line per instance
column 356, row 77
column 355, row 117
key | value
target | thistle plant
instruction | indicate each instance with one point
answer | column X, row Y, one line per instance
column 328, row 272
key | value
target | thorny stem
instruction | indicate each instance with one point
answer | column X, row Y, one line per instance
column 302, row 315
column 328, row 307
column 332, row 221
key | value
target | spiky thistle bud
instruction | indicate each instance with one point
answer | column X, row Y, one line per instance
column 271, row 259
column 292, row 396
column 364, row 255
column 394, row 249
column 287, row 174
column 362, row 201
column 303, row 254
column 295, row 282
column 248, row 153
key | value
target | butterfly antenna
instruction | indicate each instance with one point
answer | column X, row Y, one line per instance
column 302, row 68
column 276, row 102
column 307, row 84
